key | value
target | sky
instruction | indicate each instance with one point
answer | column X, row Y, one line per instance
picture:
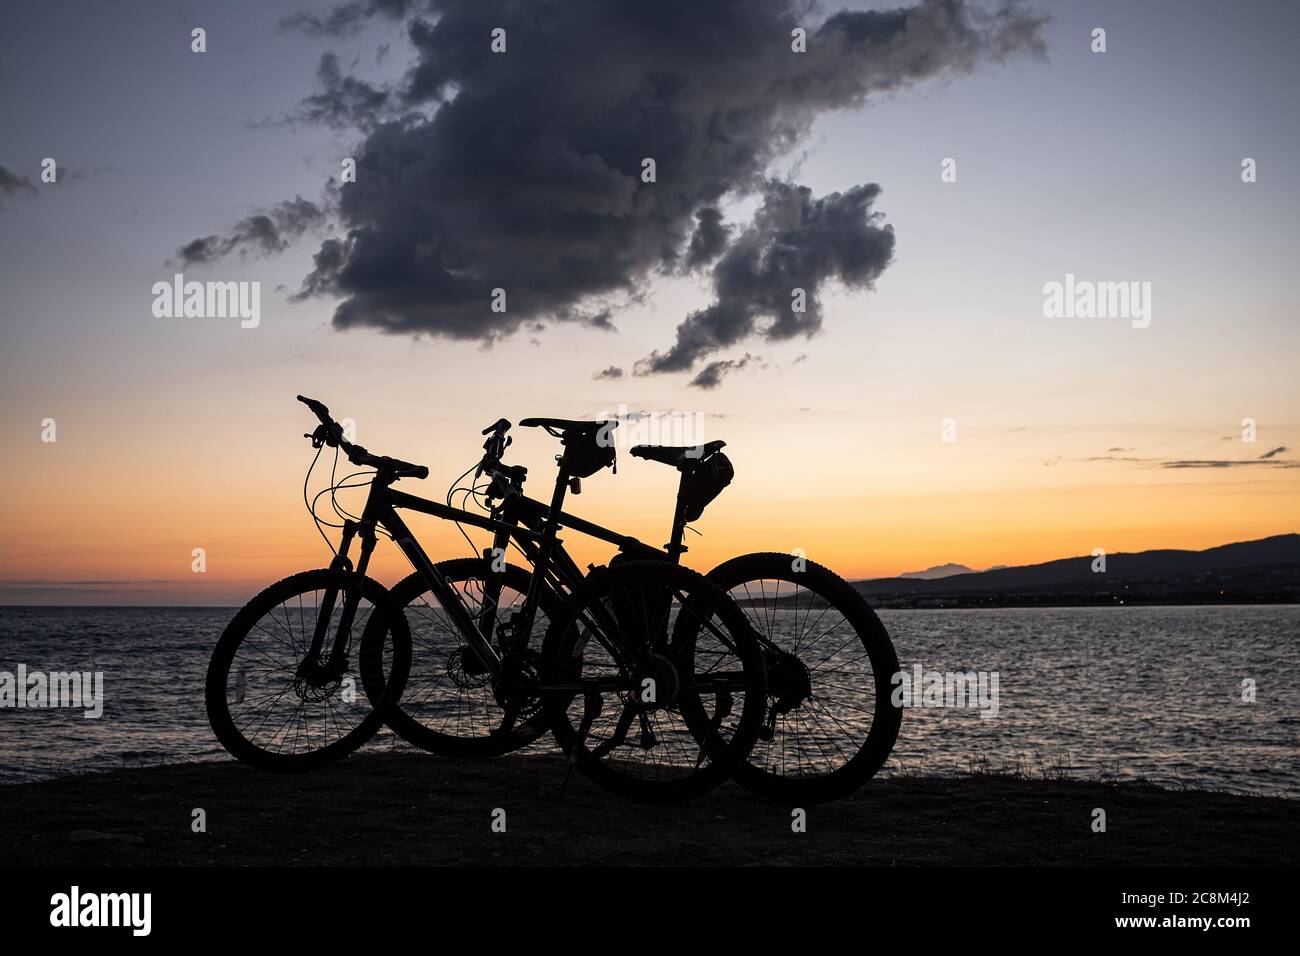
column 926, row 409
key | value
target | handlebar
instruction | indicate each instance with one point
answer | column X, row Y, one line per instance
column 495, row 446
column 330, row 433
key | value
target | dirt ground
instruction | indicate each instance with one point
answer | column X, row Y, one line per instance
column 405, row 808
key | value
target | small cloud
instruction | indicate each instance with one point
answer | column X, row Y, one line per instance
column 261, row 234
column 1273, row 452
column 345, row 19
column 711, row 375
column 1112, row 450
column 12, row 183
column 344, row 102
column 608, row 373
column 1230, row 463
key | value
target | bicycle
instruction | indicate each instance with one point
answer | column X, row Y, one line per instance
column 829, row 723
column 649, row 677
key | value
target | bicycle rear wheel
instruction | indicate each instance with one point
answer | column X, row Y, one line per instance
column 275, row 706
column 830, row 724
column 654, row 687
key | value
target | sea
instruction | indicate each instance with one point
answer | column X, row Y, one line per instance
column 1197, row 697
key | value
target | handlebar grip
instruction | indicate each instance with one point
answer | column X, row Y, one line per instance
column 421, row 473
column 317, row 408
column 638, row 452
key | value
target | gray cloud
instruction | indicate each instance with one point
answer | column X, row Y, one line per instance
column 344, row 19
column 708, row 240
column 1267, row 459
column 795, row 241
column 612, row 372
column 522, row 170
column 261, row 234
column 711, row 375
column 12, row 183
column 1230, row 463
column 344, row 102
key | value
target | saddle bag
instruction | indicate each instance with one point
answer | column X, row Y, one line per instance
column 705, row 483
column 586, row 452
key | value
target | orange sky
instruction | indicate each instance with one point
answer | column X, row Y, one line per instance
column 111, row 503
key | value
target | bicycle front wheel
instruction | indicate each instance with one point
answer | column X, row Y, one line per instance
column 653, row 685
column 277, row 706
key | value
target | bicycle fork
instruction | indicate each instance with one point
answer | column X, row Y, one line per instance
column 335, row 664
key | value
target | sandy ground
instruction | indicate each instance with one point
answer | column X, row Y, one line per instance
column 407, row 808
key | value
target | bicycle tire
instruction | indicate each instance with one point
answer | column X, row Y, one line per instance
column 424, row 661
column 248, row 619
column 763, row 774
column 567, row 658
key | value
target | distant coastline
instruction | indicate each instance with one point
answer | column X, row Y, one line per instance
column 1266, row 571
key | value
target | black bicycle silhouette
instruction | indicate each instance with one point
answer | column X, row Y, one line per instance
column 829, row 723
column 649, row 676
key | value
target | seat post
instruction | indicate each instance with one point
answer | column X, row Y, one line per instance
column 557, row 503
column 675, row 548
column 550, row 526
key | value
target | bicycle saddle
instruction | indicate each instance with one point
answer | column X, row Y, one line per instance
column 566, row 425
column 679, row 456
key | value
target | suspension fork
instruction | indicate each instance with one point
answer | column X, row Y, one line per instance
column 351, row 598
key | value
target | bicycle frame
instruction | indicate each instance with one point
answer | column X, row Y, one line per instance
column 518, row 509
column 536, row 536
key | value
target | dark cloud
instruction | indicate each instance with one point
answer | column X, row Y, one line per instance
column 12, row 183
column 708, row 240
column 795, row 242
column 261, row 234
column 522, row 170
column 711, row 375
column 344, row 102
column 612, row 372
column 1118, row 449
column 1267, row 459
column 344, row 19
column 1230, row 463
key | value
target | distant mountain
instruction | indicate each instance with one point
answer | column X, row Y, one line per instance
column 1267, row 570
column 938, row 571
